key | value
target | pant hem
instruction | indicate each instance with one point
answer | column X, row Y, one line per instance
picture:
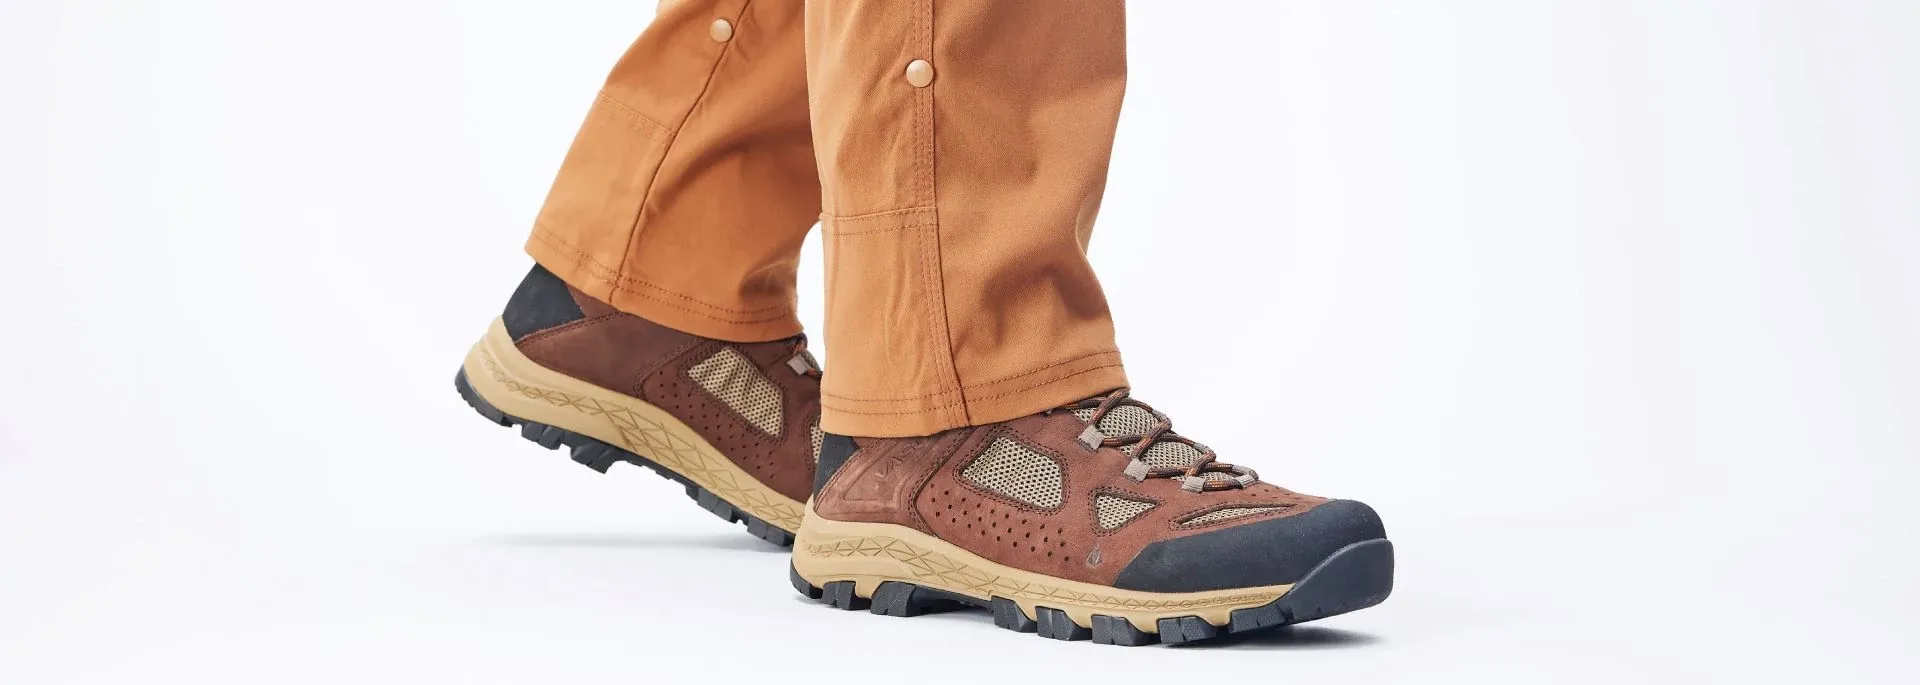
column 654, row 303
column 1004, row 399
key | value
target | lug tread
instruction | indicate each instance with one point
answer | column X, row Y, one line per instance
column 1117, row 630
column 600, row 456
column 1355, row 577
column 1056, row 624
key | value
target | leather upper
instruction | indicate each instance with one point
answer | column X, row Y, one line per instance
column 639, row 358
column 924, row 483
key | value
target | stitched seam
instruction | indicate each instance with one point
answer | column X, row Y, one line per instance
column 633, row 232
column 875, row 216
column 678, row 360
column 613, row 277
column 1177, row 522
column 922, row 410
column 539, row 335
column 619, row 281
column 1093, row 506
column 949, row 405
column 637, row 122
column 886, row 229
column 936, row 276
column 936, row 321
column 778, row 316
column 1043, row 368
column 1043, row 383
column 750, row 432
column 893, row 399
column 946, row 455
column 980, row 384
column 601, row 273
column 960, row 472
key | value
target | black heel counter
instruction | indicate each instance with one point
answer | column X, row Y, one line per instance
column 834, row 450
column 541, row 302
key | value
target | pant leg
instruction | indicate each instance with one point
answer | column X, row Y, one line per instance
column 963, row 146
column 692, row 183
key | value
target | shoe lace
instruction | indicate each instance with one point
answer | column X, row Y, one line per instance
column 1193, row 477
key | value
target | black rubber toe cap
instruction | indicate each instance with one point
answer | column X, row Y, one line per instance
column 1272, row 552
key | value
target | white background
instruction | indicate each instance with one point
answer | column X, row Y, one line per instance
column 1611, row 307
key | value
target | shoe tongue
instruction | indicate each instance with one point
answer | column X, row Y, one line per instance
column 1130, row 420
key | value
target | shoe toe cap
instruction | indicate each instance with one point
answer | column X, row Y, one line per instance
column 1272, row 552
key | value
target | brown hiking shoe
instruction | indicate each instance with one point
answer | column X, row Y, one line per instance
column 1052, row 523
column 737, row 423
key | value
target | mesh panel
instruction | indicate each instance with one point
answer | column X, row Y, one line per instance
column 1170, row 455
column 818, row 437
column 736, row 383
column 1127, row 420
column 1114, row 512
column 1228, row 513
column 1124, row 420
column 1017, row 472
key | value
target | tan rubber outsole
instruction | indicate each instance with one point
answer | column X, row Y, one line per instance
column 869, row 554
column 513, row 384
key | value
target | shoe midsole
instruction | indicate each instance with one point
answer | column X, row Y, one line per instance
column 869, row 554
column 523, row 388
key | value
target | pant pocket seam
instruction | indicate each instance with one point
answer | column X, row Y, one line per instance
column 637, row 122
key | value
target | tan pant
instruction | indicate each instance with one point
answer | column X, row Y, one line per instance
column 954, row 152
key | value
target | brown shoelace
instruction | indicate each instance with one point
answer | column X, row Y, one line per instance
column 1193, row 477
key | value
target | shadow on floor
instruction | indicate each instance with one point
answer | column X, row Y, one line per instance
column 734, row 541
column 1288, row 637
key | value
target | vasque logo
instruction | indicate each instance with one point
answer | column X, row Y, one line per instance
column 877, row 483
column 884, row 469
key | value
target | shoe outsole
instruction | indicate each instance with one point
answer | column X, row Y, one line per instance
column 600, row 456
column 1357, row 576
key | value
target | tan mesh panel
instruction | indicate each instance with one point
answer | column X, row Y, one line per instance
column 1228, row 513
column 1114, row 512
column 1017, row 472
column 1170, row 455
column 733, row 380
column 818, row 437
column 1126, row 420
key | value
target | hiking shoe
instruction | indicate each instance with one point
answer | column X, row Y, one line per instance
column 1093, row 521
column 738, row 424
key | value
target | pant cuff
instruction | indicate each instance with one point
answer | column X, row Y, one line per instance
column 656, row 304
column 1004, row 399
